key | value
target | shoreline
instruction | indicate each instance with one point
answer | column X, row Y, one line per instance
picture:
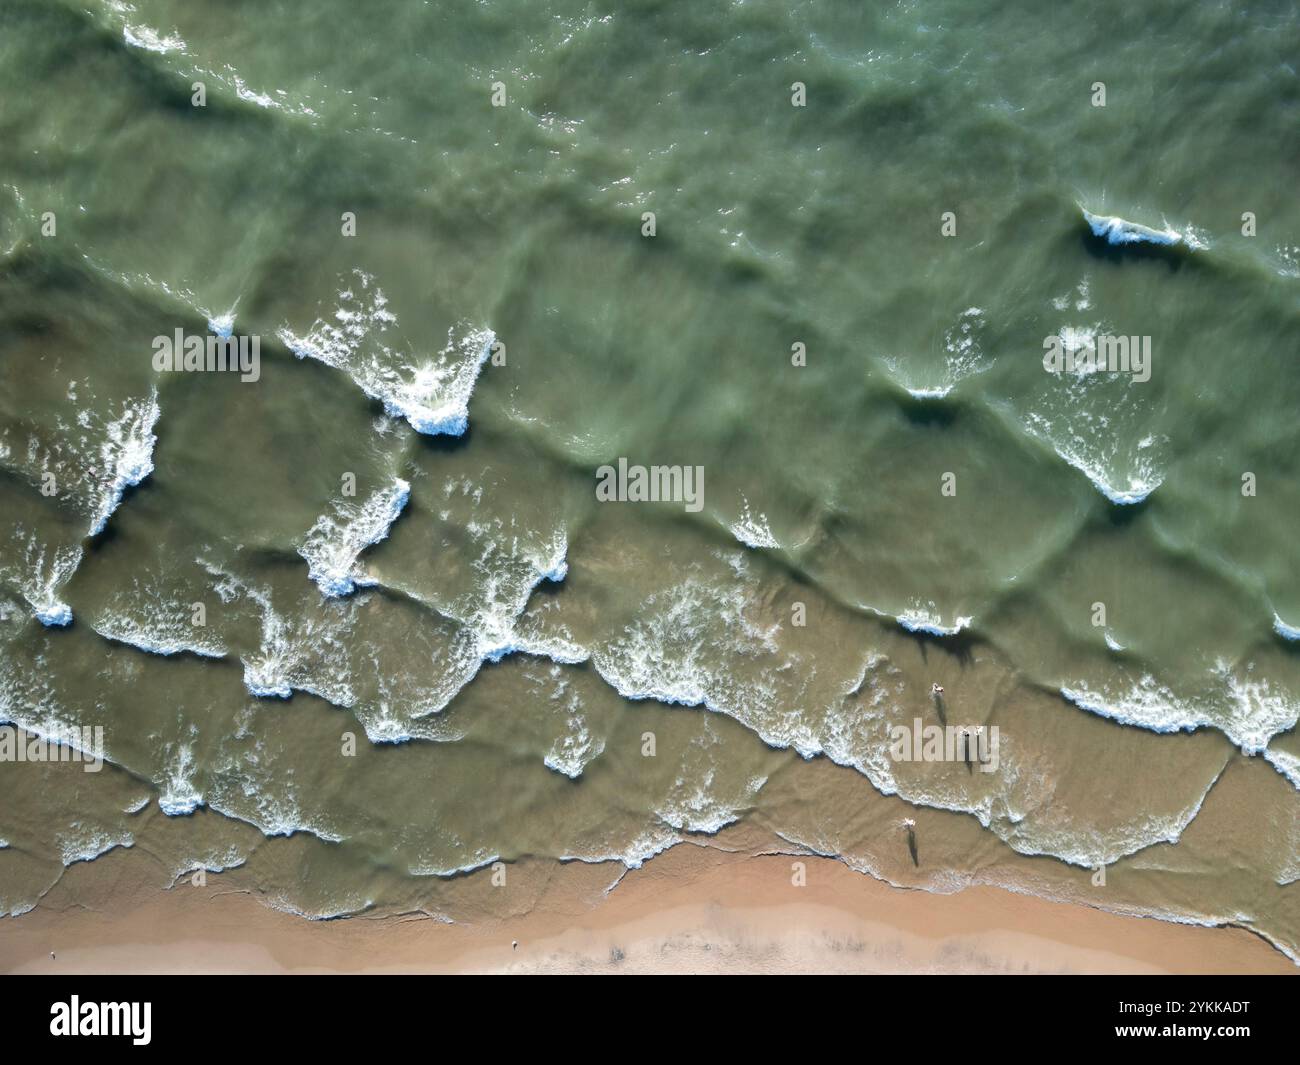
column 692, row 909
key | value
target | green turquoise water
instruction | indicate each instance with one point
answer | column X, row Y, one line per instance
column 361, row 624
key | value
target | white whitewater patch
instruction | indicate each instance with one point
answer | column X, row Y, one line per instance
column 141, row 36
column 572, row 753
column 336, row 540
column 52, row 729
column 1251, row 711
column 273, row 817
column 435, row 398
column 138, row 35
column 1259, row 712
column 497, row 635
column 222, row 325
column 1148, row 704
column 153, row 639
column 668, row 653
column 250, row 95
column 1118, row 231
column 1195, row 238
column 963, row 351
column 651, row 842
column 481, row 860
column 26, row 693
column 924, row 617
column 703, row 642
column 85, row 843
column 298, row 653
column 694, row 803
column 152, row 616
column 509, row 574
column 404, row 701
column 575, row 748
column 552, row 565
column 1082, row 297
column 229, row 77
column 963, row 355
column 126, row 456
column 1087, row 433
column 695, row 810
column 1078, row 338
column 152, row 40
column 54, row 614
column 870, row 663
column 483, row 625
column 432, row 394
column 1139, row 487
column 179, row 795
column 1287, row 632
column 1286, row 764
column 383, row 727
column 290, row 654
column 342, row 910
column 247, row 785
column 1289, row 256
column 753, row 530
column 44, row 572
column 217, row 861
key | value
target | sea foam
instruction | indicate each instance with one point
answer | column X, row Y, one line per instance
column 1118, row 231
column 126, row 455
column 336, row 540
column 432, row 394
column 1287, row 632
column 1250, row 712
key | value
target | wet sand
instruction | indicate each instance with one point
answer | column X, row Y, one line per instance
column 692, row 909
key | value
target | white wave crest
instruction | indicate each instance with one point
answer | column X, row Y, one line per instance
column 1120, row 232
column 432, row 394
column 336, row 540
column 127, row 456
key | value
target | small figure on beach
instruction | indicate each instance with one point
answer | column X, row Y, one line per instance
column 514, row 944
column 51, row 955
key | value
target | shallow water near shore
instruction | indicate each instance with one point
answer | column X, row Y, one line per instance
column 361, row 625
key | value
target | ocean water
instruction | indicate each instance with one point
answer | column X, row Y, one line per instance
column 357, row 623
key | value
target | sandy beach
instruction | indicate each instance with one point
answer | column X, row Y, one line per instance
column 692, row 909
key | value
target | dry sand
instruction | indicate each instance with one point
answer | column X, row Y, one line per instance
column 692, row 909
